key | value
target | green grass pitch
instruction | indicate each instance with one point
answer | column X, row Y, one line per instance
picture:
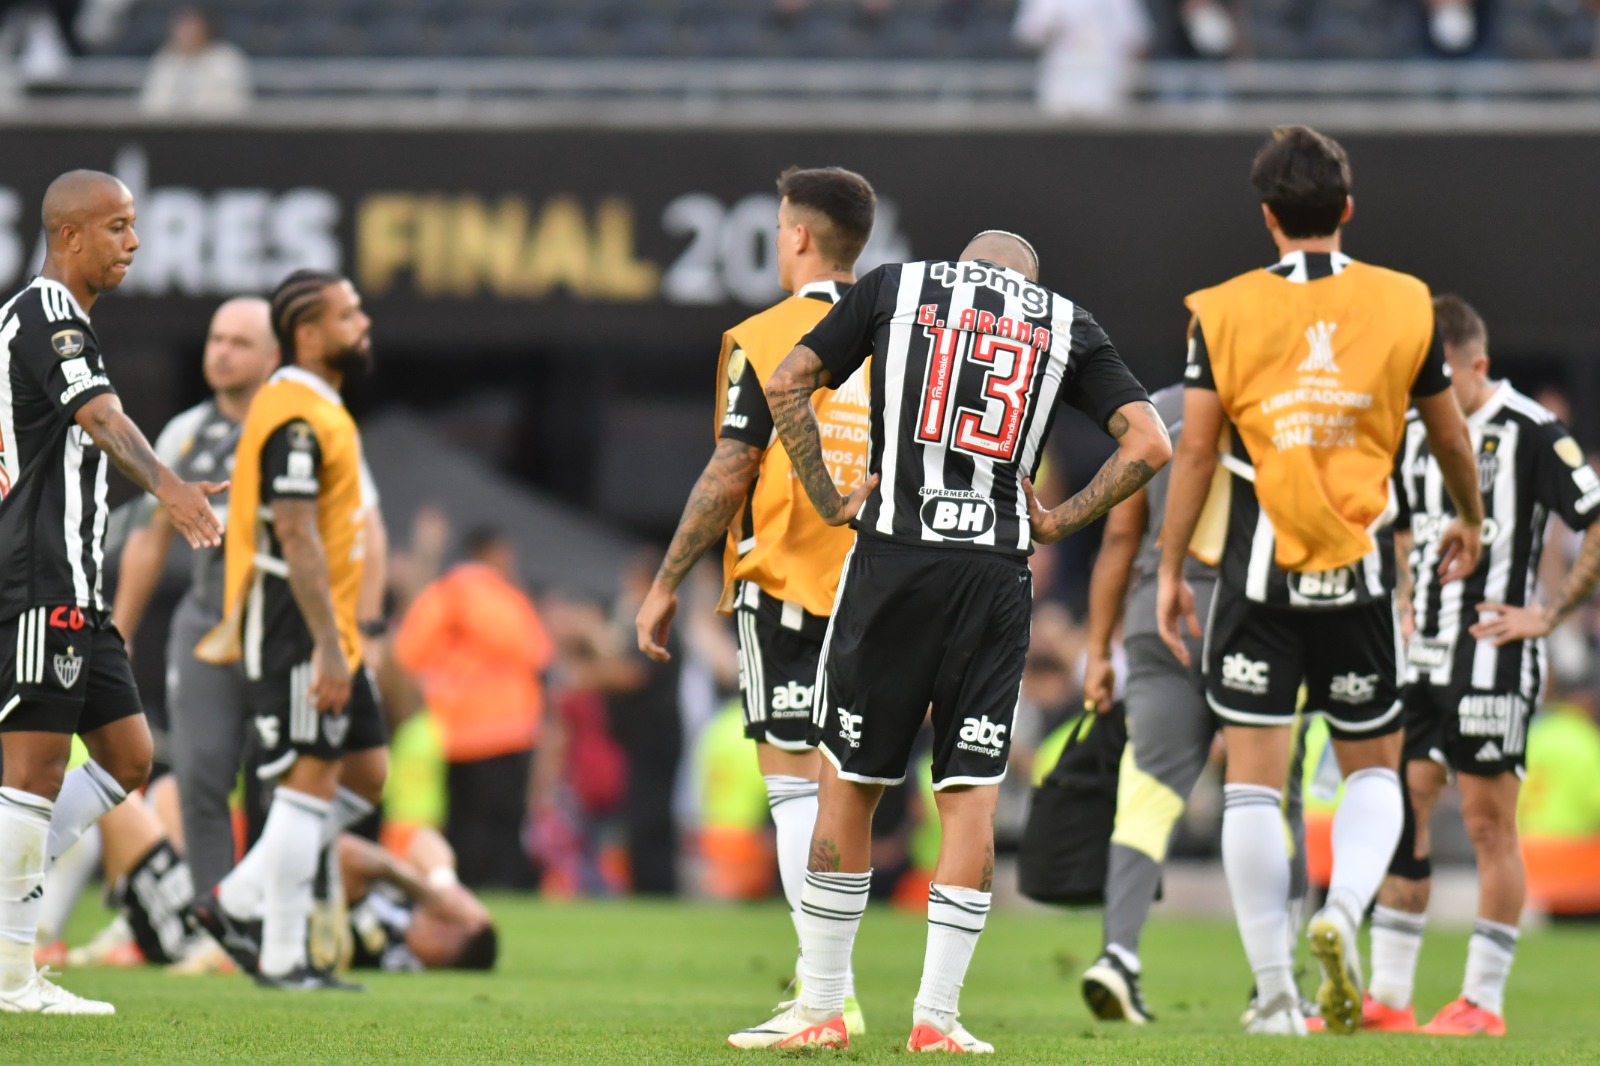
column 637, row 983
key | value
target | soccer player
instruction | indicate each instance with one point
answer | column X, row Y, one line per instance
column 1473, row 670
column 970, row 359
column 293, row 582
column 63, row 667
column 782, row 561
column 1308, row 367
column 206, row 702
column 411, row 912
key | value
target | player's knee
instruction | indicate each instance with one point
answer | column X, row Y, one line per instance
column 1492, row 831
column 130, row 769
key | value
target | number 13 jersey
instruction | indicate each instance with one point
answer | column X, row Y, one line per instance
column 970, row 362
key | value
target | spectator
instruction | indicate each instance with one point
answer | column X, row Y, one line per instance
column 1090, row 50
column 195, row 73
column 475, row 646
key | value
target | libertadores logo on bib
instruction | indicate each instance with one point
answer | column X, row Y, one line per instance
column 1320, row 361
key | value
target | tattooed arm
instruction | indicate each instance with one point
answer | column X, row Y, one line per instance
column 114, row 433
column 789, row 395
column 1188, row 484
column 723, row 485
column 294, row 522
column 1510, row 624
column 1142, row 449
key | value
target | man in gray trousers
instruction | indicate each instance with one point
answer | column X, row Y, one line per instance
column 1170, row 729
column 205, row 703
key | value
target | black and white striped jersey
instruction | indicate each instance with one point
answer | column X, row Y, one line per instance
column 1528, row 469
column 970, row 361
column 53, row 506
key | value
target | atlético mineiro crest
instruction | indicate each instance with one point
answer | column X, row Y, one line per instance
column 68, row 667
column 335, row 727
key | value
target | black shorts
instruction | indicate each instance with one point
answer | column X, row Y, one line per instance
column 777, row 676
column 919, row 626
column 1257, row 657
column 288, row 726
column 1467, row 730
column 63, row 670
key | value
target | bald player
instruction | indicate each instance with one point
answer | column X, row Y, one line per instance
column 970, row 360
column 205, row 702
column 63, row 666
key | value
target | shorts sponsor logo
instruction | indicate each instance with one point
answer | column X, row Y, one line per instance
column 982, row 736
column 1490, row 752
column 954, row 516
column 1244, row 674
column 68, row 667
column 68, row 343
column 1353, row 688
column 850, row 728
column 335, row 727
column 268, row 731
column 793, row 698
column 1490, row 715
column 1428, row 654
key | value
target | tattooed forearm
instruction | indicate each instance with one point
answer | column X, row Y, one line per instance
column 116, row 435
column 723, row 485
column 1118, row 479
column 824, row 856
column 295, row 523
column 1583, row 577
column 789, row 396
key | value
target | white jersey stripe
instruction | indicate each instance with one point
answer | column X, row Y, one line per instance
column 72, row 514
column 10, row 467
column 98, row 544
column 1262, row 549
column 1053, row 373
column 1486, row 657
column 936, row 453
column 894, row 387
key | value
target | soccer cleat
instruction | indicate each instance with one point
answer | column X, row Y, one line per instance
column 307, row 979
column 204, row 956
column 240, row 939
column 1112, row 992
column 1465, row 1018
column 789, row 1029
column 52, row 954
column 1377, row 1017
column 1281, row 1017
column 925, row 1037
column 39, row 996
column 112, row 946
column 1340, row 996
column 855, row 1023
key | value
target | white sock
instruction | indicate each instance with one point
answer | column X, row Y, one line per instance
column 240, row 893
column 794, row 812
column 831, row 906
column 288, row 865
column 955, row 918
column 1489, row 955
column 64, row 882
column 1255, row 857
column 1396, row 943
column 24, row 829
column 87, row 793
column 348, row 809
column 1366, row 829
column 1297, row 919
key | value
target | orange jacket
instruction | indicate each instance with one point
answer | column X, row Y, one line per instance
column 475, row 646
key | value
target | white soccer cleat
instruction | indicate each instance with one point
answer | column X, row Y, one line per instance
column 39, row 996
column 791, row 1029
column 1333, row 943
column 1281, row 1017
column 925, row 1037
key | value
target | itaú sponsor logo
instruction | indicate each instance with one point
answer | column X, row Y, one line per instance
column 954, row 516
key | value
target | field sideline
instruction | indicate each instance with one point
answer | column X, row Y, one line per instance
column 661, row 983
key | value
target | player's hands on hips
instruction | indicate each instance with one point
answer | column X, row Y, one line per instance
column 654, row 621
column 1175, row 604
column 191, row 512
column 1099, row 682
column 330, row 678
column 1459, row 549
column 1505, row 624
column 853, row 503
column 1046, row 530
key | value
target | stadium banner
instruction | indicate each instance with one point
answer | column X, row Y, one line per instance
column 644, row 244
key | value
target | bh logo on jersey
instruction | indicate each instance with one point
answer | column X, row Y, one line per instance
column 1245, row 674
column 791, row 701
column 957, row 517
column 1320, row 361
column 850, row 728
column 1354, row 689
column 982, row 736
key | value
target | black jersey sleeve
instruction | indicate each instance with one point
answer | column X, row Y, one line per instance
column 1434, row 377
column 1197, row 370
column 747, row 418
column 58, row 353
column 1099, row 381
column 1563, row 480
column 290, row 462
column 1397, row 487
column 843, row 339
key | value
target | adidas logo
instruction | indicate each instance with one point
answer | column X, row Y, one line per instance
column 1490, row 752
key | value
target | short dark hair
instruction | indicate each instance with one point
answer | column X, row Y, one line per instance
column 1458, row 324
column 1304, row 176
column 841, row 196
column 297, row 298
column 480, row 951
